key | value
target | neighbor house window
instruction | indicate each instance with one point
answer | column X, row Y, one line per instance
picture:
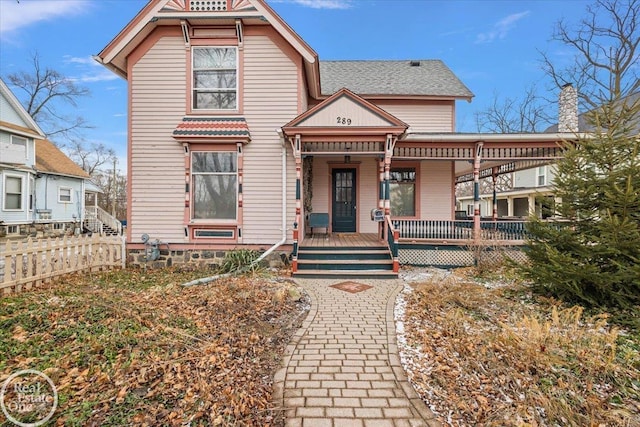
column 214, row 185
column 403, row 191
column 13, row 229
column 13, row 193
column 214, row 78
column 542, row 175
column 64, row 195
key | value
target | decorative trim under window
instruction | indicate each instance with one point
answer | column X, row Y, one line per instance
column 211, row 233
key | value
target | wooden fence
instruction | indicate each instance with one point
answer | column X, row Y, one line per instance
column 29, row 263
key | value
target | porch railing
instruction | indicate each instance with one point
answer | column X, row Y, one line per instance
column 393, row 236
column 98, row 219
column 459, row 230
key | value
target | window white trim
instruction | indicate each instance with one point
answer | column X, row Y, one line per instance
column 5, row 193
column 63, row 197
column 13, row 229
column 195, row 90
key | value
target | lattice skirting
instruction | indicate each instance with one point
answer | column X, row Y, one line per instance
column 456, row 256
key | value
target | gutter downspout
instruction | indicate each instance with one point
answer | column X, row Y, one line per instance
column 206, row 280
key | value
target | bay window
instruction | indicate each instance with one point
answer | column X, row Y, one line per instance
column 214, row 181
column 403, row 192
column 214, row 78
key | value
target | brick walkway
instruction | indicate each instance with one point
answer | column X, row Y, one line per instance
column 342, row 367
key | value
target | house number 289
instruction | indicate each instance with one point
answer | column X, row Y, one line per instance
column 343, row 120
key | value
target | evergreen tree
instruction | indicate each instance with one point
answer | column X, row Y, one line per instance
column 594, row 257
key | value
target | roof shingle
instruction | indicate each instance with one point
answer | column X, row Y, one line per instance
column 430, row 77
column 50, row 159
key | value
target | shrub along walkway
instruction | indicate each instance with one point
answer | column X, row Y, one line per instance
column 342, row 367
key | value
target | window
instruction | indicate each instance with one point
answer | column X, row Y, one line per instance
column 64, row 195
column 403, row 191
column 13, row 229
column 214, row 185
column 13, row 193
column 19, row 142
column 214, row 78
column 542, row 175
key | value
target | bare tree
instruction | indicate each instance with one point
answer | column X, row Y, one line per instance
column 511, row 115
column 604, row 68
column 90, row 156
column 46, row 91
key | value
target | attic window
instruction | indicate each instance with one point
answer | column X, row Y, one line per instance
column 208, row 5
column 414, row 63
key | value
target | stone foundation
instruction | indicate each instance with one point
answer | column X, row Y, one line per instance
column 198, row 258
column 40, row 230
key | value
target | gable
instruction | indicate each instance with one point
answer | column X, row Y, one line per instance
column 230, row 15
column 345, row 111
column 348, row 112
column 14, row 118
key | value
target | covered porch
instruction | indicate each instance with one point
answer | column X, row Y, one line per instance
column 377, row 179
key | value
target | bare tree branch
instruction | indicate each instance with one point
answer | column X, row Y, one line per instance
column 511, row 115
column 47, row 91
column 606, row 53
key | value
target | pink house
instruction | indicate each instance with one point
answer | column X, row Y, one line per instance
column 239, row 136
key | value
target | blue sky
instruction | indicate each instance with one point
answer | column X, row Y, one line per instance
column 492, row 46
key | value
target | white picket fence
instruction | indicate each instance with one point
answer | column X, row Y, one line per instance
column 30, row 263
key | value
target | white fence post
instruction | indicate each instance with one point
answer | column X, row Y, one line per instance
column 30, row 263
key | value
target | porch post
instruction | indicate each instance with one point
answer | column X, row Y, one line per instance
column 296, row 145
column 476, row 190
column 494, row 177
column 388, row 154
column 381, row 195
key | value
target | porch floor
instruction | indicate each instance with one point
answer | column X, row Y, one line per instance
column 341, row 240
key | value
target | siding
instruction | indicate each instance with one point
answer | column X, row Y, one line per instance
column 9, row 114
column 422, row 118
column 525, row 178
column 270, row 100
column 158, row 100
column 47, row 197
column 368, row 192
column 436, row 195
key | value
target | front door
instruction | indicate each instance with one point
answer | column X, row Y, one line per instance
column 344, row 201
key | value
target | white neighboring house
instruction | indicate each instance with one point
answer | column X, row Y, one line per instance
column 42, row 191
column 531, row 191
column 519, row 194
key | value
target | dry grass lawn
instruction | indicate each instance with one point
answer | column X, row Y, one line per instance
column 135, row 348
column 496, row 356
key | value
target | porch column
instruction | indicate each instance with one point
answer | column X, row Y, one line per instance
column 388, row 155
column 381, row 195
column 296, row 145
column 532, row 204
column 477, row 158
column 494, row 178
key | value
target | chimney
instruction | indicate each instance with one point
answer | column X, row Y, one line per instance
column 568, row 109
